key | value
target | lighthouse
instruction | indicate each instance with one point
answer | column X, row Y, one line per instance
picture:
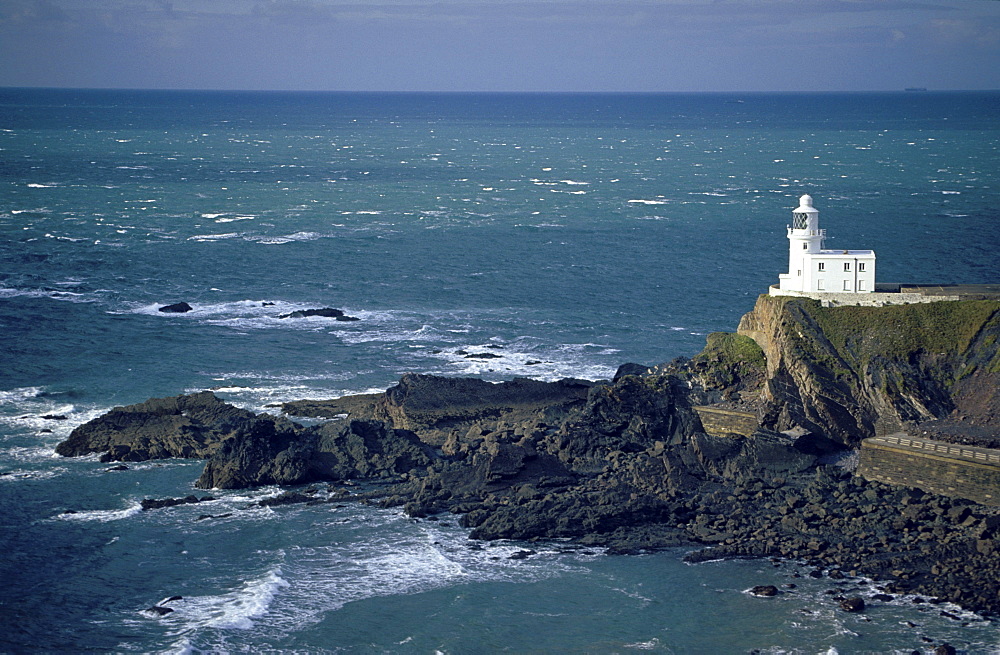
column 815, row 270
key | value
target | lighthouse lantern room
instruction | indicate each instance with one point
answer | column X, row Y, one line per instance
column 812, row 269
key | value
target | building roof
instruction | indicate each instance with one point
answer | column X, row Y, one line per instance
column 843, row 253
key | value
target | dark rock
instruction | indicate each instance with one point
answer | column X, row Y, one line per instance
column 482, row 356
column 153, row 503
column 159, row 610
column 287, row 498
column 521, row 554
column 278, row 453
column 855, row 604
column 120, row 467
column 53, row 417
column 325, row 312
column 631, row 369
column 764, row 591
column 176, row 308
column 205, row 517
column 182, row 426
column 944, row 649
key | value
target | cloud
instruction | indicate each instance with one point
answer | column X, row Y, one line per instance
column 961, row 31
column 495, row 44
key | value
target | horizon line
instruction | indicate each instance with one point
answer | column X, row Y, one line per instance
column 910, row 90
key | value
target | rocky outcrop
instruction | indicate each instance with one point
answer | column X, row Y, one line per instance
column 276, row 451
column 851, row 372
column 627, row 463
column 190, row 426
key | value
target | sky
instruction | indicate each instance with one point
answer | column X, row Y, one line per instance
column 502, row 45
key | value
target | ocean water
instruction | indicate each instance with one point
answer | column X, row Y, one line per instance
column 567, row 233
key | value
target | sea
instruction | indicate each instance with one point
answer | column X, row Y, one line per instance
column 565, row 233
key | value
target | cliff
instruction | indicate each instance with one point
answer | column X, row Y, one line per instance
column 853, row 372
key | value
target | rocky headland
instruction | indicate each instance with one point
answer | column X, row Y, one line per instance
column 628, row 464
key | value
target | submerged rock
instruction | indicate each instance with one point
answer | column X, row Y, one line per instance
column 153, row 503
column 325, row 312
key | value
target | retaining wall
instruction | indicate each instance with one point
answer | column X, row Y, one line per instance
column 720, row 422
column 934, row 466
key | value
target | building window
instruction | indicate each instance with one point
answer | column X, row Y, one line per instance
column 799, row 273
column 861, row 285
column 820, row 285
column 847, row 285
column 861, row 266
column 822, row 266
column 847, row 267
column 805, row 246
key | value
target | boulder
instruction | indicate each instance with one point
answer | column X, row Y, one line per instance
column 764, row 591
column 854, row 604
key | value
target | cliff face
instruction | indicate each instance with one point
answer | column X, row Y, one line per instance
column 851, row 372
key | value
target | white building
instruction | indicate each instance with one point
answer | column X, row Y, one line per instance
column 811, row 269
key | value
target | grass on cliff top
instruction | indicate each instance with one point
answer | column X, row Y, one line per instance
column 897, row 331
column 730, row 347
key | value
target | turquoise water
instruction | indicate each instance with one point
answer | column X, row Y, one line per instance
column 568, row 233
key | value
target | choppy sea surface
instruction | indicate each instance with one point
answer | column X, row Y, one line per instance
column 567, row 233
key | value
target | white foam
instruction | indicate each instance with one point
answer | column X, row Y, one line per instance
column 103, row 515
column 652, row 644
column 526, row 358
column 648, row 202
column 68, row 296
column 213, row 237
column 35, row 185
column 388, row 554
column 288, row 238
column 20, row 394
column 234, row 610
column 275, row 389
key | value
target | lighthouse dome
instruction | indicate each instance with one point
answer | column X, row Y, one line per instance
column 805, row 204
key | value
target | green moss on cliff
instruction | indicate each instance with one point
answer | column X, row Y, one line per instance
column 732, row 349
column 900, row 331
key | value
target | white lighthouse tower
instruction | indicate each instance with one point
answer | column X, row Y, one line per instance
column 814, row 270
